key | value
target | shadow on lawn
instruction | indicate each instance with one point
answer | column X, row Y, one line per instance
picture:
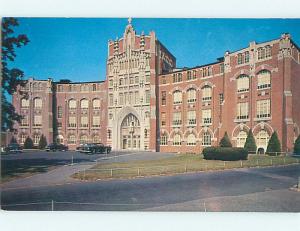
column 16, row 168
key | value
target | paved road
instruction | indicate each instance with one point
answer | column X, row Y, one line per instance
column 64, row 160
column 255, row 189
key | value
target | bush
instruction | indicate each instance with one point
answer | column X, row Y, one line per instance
column 221, row 153
column 297, row 145
column 273, row 145
column 28, row 144
column 250, row 144
column 42, row 142
column 225, row 141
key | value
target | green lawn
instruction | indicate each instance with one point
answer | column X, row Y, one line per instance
column 177, row 164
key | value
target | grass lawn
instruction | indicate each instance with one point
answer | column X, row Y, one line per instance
column 177, row 164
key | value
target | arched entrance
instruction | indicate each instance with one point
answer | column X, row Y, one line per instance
column 130, row 133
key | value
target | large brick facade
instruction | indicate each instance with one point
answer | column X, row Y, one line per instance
column 147, row 103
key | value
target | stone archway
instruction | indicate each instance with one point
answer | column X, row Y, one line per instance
column 130, row 132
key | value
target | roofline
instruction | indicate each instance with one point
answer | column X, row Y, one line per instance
column 101, row 81
column 166, row 49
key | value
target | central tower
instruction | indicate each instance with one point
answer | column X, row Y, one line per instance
column 133, row 64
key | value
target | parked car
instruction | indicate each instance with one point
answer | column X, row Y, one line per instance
column 56, row 147
column 13, row 148
column 94, row 148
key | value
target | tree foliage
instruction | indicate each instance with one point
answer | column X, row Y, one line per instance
column 28, row 144
column 225, row 141
column 11, row 77
column 297, row 145
column 42, row 142
column 250, row 144
column 274, row 144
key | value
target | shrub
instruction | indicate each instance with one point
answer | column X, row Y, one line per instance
column 273, row 145
column 42, row 142
column 297, row 145
column 225, row 153
column 28, row 144
column 225, row 141
column 250, row 144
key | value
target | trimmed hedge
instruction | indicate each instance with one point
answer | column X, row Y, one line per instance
column 225, row 153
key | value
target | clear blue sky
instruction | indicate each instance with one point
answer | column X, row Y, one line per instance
column 76, row 48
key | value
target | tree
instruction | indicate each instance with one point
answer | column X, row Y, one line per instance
column 42, row 142
column 225, row 141
column 250, row 144
column 28, row 144
column 13, row 140
column 297, row 145
column 274, row 144
column 11, row 77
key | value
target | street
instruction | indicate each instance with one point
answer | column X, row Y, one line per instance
column 255, row 189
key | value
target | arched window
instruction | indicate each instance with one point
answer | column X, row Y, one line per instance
column 164, row 139
column 241, row 139
column 37, row 103
column 84, row 104
column 243, row 83
column 263, row 79
column 206, row 93
column 262, row 139
column 72, row 104
column 206, row 139
column 191, row 140
column 191, row 95
column 96, row 103
column 177, row 140
column 72, row 139
column 83, row 139
column 177, row 97
column 24, row 103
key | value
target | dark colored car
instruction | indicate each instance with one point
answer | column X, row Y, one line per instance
column 94, row 148
column 13, row 148
column 56, row 147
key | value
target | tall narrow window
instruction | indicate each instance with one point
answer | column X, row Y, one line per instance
column 177, row 118
column 242, row 110
column 96, row 121
column 59, row 112
column 241, row 139
column 247, row 57
column 263, row 108
column 191, row 139
column 147, row 96
column 37, row 120
column 191, row 117
column 84, row 121
column 206, row 116
column 263, row 79
column 84, row 104
column 243, row 83
column 177, row 140
column 38, row 103
column 163, row 119
column 96, row 103
column 24, row 103
column 72, row 104
column 206, row 139
column 164, row 139
column 189, row 75
column 240, row 59
column 191, row 95
column 206, row 93
column 177, row 97
column 72, row 121
column 163, row 98
column 268, row 51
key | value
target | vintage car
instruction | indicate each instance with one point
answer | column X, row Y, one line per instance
column 13, row 148
column 56, row 147
column 94, row 148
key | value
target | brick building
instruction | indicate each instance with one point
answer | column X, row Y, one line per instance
column 146, row 103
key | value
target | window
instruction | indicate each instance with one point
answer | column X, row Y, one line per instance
column 24, row 121
column 206, row 139
column 59, row 112
column 72, row 121
column 131, row 80
column 210, row 71
column 96, row 121
column 23, row 138
column 136, row 97
column 206, row 116
column 96, row 139
column 84, row 87
column 84, row 122
column 111, row 100
column 109, row 134
column 72, row 139
column 189, row 75
column 242, row 110
column 177, row 118
column 191, row 95
column 83, row 139
column 243, row 83
column 194, row 74
column 191, row 140
column 177, row 77
column 36, row 139
column 96, row 103
column 84, row 104
column 221, row 98
column 147, row 96
column 38, row 103
column 177, row 97
column 24, row 103
column 268, row 51
column 263, row 79
column 177, row 140
column 263, row 108
column 261, row 53
column 241, row 139
column 262, row 139
column 240, row 59
column 164, row 139
column 94, row 87
column 222, row 68
column 163, row 80
column 121, row 98
column 163, row 98
column 37, row 120
column 59, row 88
column 206, row 93
column 191, row 117
column 147, row 78
column 163, row 119
column 72, row 104
column 247, row 57
column 136, row 79
column 110, row 83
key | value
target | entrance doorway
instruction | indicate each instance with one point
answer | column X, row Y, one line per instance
column 130, row 133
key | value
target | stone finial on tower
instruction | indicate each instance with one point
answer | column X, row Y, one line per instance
column 129, row 20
